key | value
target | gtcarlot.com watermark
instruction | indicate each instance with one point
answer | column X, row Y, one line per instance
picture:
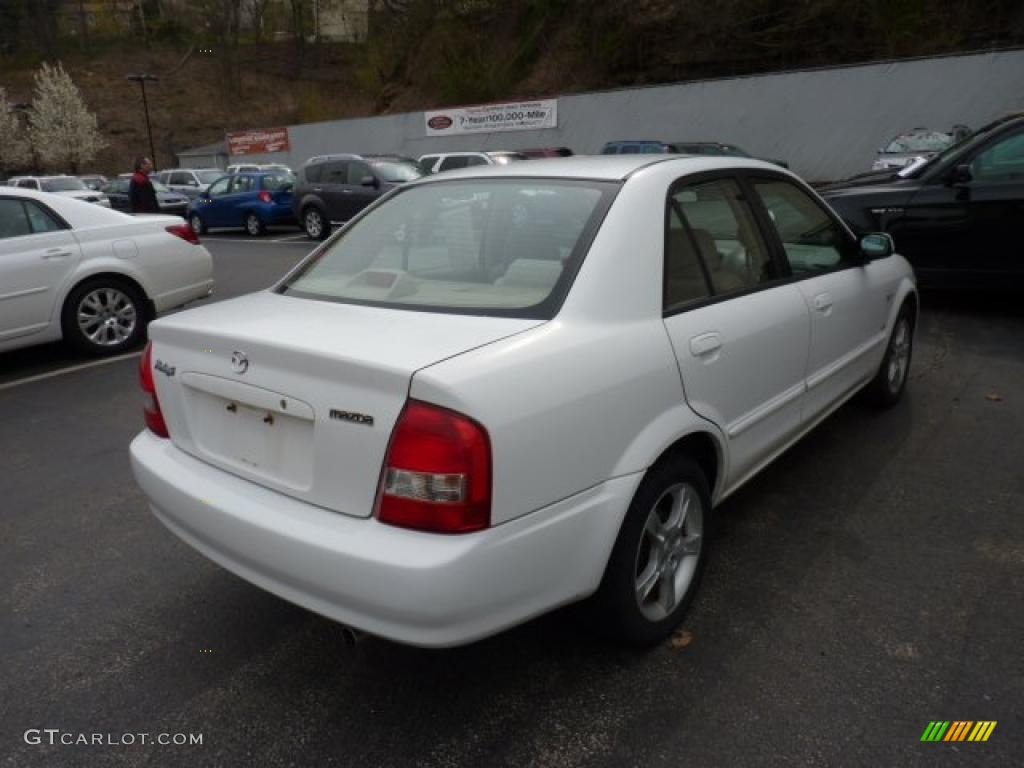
column 55, row 736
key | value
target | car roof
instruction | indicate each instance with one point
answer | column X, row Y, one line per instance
column 600, row 167
column 78, row 213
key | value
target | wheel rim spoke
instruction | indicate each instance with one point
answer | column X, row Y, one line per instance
column 667, row 589
column 647, row 581
column 690, row 545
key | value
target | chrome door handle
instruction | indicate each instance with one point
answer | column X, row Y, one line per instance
column 318, row 189
column 705, row 344
column 823, row 302
column 346, row 191
column 56, row 253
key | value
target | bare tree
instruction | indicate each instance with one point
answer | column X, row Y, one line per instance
column 63, row 128
column 14, row 151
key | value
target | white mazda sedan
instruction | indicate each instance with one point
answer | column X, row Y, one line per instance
column 502, row 390
column 92, row 276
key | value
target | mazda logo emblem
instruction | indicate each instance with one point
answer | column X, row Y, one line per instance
column 239, row 362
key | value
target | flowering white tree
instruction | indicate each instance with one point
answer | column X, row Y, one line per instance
column 64, row 131
column 14, row 152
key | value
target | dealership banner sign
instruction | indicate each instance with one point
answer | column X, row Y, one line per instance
column 258, row 142
column 488, row 118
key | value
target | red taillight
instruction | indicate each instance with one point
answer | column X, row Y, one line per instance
column 151, row 406
column 437, row 473
column 265, row 196
column 185, row 232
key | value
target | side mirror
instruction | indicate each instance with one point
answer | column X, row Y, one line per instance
column 369, row 181
column 878, row 245
column 961, row 174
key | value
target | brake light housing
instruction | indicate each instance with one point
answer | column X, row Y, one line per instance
column 185, row 232
column 151, row 404
column 437, row 472
column 265, row 196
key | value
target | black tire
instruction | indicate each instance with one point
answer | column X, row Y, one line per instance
column 254, row 225
column 886, row 389
column 315, row 223
column 197, row 223
column 104, row 316
column 643, row 622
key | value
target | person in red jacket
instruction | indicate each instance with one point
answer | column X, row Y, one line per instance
column 141, row 194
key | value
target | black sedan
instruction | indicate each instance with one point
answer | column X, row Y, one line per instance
column 957, row 216
column 169, row 202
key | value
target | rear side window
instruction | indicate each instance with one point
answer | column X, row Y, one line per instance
column 13, row 220
column 718, row 225
column 506, row 248
column 242, row 184
column 313, row 173
column 335, row 172
column 357, row 171
column 812, row 240
column 39, row 219
column 452, row 163
column 274, row 181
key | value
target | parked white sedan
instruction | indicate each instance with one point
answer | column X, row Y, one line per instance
column 502, row 390
column 90, row 275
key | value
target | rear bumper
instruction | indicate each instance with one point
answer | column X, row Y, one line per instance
column 417, row 588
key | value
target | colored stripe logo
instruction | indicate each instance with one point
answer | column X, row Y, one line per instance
column 958, row 730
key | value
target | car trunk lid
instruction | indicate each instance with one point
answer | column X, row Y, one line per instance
column 300, row 395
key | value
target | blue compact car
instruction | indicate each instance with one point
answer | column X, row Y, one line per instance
column 253, row 201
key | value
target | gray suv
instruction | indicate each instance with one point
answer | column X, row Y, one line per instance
column 189, row 181
column 334, row 188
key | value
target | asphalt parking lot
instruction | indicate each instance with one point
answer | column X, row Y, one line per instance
column 870, row 581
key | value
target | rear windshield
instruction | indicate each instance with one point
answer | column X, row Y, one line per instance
column 504, row 158
column 491, row 247
column 397, row 171
column 278, row 180
column 919, row 142
column 63, row 185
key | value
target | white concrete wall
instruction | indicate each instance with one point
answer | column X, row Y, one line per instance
column 827, row 123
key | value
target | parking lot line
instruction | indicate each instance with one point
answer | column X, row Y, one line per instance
column 69, row 369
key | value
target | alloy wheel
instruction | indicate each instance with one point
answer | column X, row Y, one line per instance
column 107, row 317
column 252, row 224
column 669, row 551
column 899, row 355
column 314, row 223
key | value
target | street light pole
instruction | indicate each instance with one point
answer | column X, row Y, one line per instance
column 142, row 79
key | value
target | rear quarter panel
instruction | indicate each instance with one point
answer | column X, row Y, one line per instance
column 567, row 407
column 165, row 266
